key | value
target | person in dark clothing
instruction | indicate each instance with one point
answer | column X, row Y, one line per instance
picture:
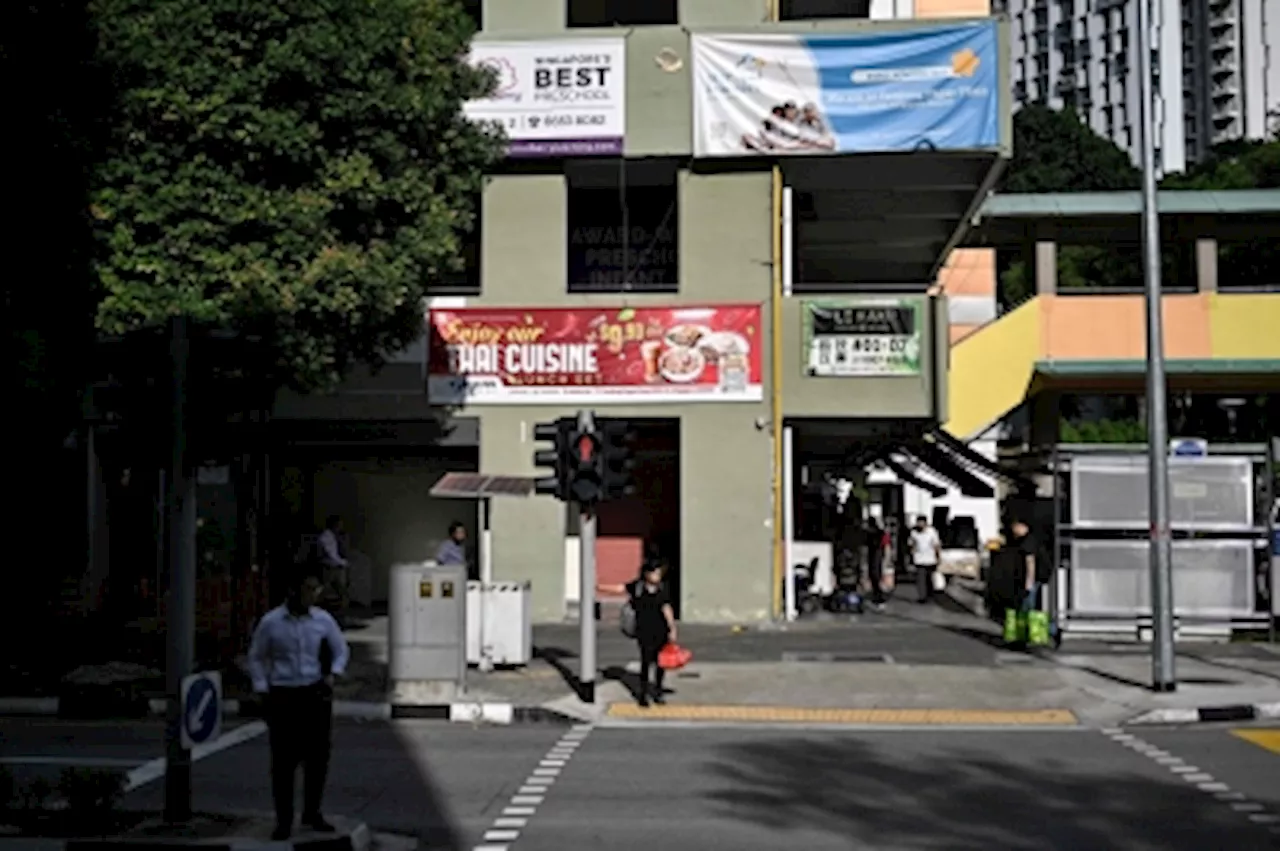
column 1033, row 569
column 655, row 624
column 877, row 547
column 297, row 650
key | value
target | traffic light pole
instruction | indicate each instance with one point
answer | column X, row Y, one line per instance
column 587, row 609
column 587, row 594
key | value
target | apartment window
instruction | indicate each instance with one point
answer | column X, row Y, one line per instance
column 626, row 13
column 799, row 10
column 465, row 281
column 623, row 226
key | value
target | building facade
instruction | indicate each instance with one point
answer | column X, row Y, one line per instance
column 1217, row 69
column 666, row 222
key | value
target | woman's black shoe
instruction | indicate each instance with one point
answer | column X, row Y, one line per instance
column 643, row 701
column 659, row 699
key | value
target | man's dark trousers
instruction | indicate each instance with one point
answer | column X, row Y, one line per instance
column 924, row 582
column 300, row 723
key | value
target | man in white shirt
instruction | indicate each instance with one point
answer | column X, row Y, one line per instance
column 297, row 650
column 926, row 553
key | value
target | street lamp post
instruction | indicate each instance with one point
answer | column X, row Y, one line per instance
column 1162, row 657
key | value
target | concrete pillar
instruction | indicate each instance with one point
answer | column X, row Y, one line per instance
column 1046, row 267
column 1207, row 265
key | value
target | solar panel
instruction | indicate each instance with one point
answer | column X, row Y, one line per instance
column 479, row 485
column 459, row 485
column 508, row 486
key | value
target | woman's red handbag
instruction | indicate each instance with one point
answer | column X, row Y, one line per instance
column 673, row 657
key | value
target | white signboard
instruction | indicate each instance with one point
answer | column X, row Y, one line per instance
column 556, row 98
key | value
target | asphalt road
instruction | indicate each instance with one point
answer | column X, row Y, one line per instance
column 459, row 787
column 747, row 790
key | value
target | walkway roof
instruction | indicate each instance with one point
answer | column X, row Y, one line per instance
column 1011, row 220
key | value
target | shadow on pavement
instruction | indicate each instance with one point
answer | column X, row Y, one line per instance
column 382, row 774
column 972, row 802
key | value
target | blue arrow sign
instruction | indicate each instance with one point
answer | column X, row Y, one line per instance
column 201, row 708
column 1189, row 447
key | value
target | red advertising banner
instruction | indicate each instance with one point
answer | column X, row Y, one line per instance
column 579, row 356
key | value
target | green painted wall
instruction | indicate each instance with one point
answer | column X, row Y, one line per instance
column 726, row 461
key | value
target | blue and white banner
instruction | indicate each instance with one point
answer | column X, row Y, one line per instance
column 929, row 87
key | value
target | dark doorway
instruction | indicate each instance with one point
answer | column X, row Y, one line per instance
column 649, row 520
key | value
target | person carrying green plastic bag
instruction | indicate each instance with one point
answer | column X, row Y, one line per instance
column 1029, row 624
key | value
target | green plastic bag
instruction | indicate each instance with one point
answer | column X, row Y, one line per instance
column 1037, row 629
column 1015, row 626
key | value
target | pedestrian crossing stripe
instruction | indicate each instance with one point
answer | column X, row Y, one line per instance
column 805, row 715
column 1268, row 739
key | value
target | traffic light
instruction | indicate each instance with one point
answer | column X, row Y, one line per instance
column 586, row 465
column 618, row 458
column 556, row 458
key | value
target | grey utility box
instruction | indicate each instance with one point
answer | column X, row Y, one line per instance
column 428, row 623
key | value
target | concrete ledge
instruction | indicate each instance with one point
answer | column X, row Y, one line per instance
column 1198, row 714
column 469, row 712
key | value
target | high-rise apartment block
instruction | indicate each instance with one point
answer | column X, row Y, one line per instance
column 1217, row 68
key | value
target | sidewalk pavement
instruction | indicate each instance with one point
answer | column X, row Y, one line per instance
column 911, row 665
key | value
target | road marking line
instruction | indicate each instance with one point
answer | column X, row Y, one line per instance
column 154, row 770
column 524, row 804
column 803, row 715
column 1204, row 782
column 1269, row 739
column 501, row 835
column 1247, row 807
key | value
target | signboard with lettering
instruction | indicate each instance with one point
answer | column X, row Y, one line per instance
column 555, row 98
column 872, row 336
column 512, row 356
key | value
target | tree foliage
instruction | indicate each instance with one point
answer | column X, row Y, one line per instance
column 299, row 169
column 1234, row 165
column 1053, row 151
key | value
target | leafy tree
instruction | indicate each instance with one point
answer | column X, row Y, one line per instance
column 299, row 169
column 1233, row 165
column 1053, row 151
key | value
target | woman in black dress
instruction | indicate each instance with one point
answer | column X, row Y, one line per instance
column 655, row 624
